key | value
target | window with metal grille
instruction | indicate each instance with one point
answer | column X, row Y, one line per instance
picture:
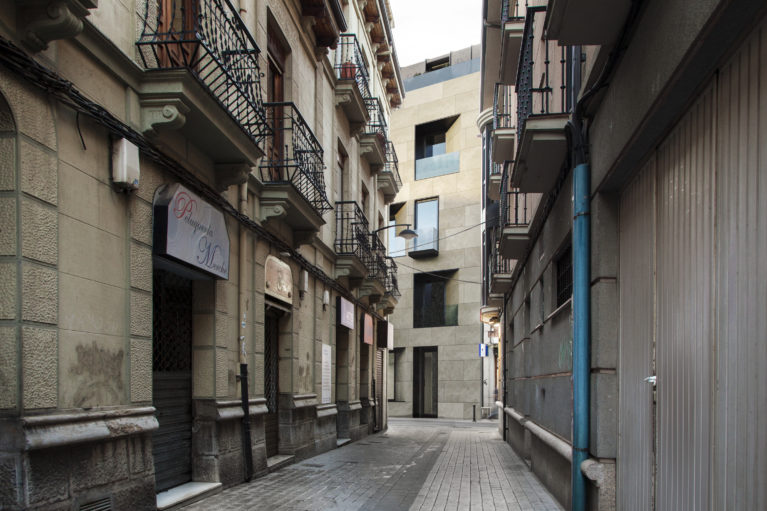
column 564, row 266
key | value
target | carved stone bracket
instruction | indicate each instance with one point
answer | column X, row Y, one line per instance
column 43, row 21
column 303, row 238
column 228, row 174
column 162, row 114
column 272, row 211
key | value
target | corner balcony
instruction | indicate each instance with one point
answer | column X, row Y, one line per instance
column 373, row 137
column 352, row 81
column 516, row 215
column 586, row 22
column 512, row 29
column 202, row 79
column 494, row 181
column 426, row 244
column 392, row 293
column 543, row 109
column 291, row 175
column 389, row 181
column 374, row 285
column 352, row 244
column 504, row 129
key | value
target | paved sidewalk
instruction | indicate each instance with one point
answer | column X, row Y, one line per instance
column 418, row 464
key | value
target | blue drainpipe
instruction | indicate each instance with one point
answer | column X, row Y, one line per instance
column 581, row 329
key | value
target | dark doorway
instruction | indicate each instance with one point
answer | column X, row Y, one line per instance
column 271, row 380
column 172, row 379
column 425, row 381
column 378, row 384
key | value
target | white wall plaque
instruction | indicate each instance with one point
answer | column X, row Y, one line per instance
column 326, row 373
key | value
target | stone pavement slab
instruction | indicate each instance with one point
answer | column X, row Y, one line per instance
column 417, row 464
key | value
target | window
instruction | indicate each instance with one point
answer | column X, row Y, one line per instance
column 432, row 143
column 427, row 227
column 397, row 245
column 435, row 299
column 564, row 265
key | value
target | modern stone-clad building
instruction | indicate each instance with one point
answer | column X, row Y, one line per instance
column 435, row 369
column 191, row 289
column 625, row 165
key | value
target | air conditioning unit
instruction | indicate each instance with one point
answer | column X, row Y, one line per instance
column 125, row 165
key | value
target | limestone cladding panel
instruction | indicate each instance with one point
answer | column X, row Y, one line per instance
column 7, row 162
column 140, row 370
column 118, row 22
column 92, row 370
column 31, row 110
column 93, row 159
column 90, row 306
column 204, row 370
column 8, row 290
column 140, row 266
column 39, row 367
column 140, row 313
column 8, row 366
column 91, row 253
column 39, row 171
column 91, row 201
column 39, row 291
column 141, row 221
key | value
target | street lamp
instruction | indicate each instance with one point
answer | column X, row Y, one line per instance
column 406, row 233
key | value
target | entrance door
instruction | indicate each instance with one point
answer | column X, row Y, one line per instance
column 425, row 382
column 271, row 382
column 172, row 380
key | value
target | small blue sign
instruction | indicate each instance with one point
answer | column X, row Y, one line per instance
column 483, row 350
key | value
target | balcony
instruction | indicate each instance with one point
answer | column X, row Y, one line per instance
column 586, row 22
column 426, row 244
column 494, row 181
column 389, row 181
column 292, row 174
column 513, row 25
column 543, row 106
column 352, row 245
column 504, row 131
column 438, row 165
column 517, row 209
column 500, row 268
column 352, row 81
column 392, row 293
column 327, row 20
column 373, row 137
column 202, row 63
column 374, row 285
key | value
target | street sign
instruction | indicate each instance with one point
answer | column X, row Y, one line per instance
column 483, row 350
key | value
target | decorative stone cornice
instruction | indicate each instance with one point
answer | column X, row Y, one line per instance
column 43, row 21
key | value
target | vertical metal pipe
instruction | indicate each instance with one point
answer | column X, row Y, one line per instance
column 247, row 451
column 581, row 330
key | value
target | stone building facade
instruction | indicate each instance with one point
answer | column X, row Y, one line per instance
column 623, row 163
column 435, row 369
column 183, row 306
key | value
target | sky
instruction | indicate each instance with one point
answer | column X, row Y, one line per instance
column 425, row 29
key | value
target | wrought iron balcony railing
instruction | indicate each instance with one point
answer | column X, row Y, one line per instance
column 392, row 164
column 514, row 209
column 392, row 286
column 499, row 265
column 294, row 155
column 352, row 231
column 350, row 65
column 377, row 123
column 543, row 86
column 208, row 38
column 504, row 106
column 496, row 169
column 511, row 9
column 376, row 262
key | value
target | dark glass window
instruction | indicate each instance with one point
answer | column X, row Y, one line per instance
column 430, row 300
column 564, row 265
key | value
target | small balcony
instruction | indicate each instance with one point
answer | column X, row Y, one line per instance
column 494, row 181
column 543, row 108
column 292, row 174
column 374, row 285
column 500, row 268
column 426, row 244
column 352, row 81
column 389, row 181
column 517, row 209
column 327, row 20
column 513, row 25
column 352, row 245
column 504, row 130
column 202, row 61
column 373, row 137
column 392, row 293
column 586, row 22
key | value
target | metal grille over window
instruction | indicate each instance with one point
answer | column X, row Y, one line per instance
column 300, row 162
column 565, row 276
column 172, row 321
column 208, row 38
column 350, row 65
column 271, row 361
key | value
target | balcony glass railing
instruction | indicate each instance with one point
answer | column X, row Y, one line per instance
column 439, row 165
column 352, row 231
column 543, row 86
column 349, row 64
column 208, row 38
column 427, row 239
column 392, row 164
column 294, row 155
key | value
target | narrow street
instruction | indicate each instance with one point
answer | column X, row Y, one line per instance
column 419, row 464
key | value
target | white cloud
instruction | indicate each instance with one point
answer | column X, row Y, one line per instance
column 429, row 28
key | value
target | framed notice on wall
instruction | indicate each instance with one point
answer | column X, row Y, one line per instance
column 367, row 329
column 326, row 373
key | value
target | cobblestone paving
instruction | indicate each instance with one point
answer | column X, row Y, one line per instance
column 417, row 464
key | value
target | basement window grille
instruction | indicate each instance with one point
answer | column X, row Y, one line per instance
column 564, row 275
column 104, row 504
